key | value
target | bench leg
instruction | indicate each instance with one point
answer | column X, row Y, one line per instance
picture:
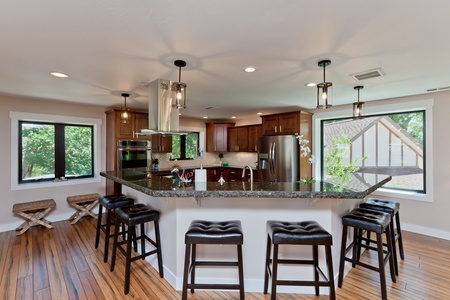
column 34, row 219
column 82, row 210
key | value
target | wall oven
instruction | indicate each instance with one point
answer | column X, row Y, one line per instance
column 135, row 155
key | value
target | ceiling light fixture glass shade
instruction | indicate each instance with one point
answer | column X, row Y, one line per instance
column 324, row 88
column 179, row 88
column 125, row 114
column 358, row 107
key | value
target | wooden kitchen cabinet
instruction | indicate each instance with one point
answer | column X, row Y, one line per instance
column 217, row 137
column 127, row 131
column 162, row 143
column 238, row 139
column 285, row 123
column 254, row 132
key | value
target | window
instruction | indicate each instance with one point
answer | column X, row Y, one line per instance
column 55, row 150
column 185, row 146
column 378, row 145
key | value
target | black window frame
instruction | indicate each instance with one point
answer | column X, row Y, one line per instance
column 183, row 147
column 59, row 142
column 423, row 111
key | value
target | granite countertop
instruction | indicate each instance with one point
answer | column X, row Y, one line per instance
column 160, row 186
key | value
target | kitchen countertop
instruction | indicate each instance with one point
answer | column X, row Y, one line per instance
column 160, row 186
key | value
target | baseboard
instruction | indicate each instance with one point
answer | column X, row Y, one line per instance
column 426, row 231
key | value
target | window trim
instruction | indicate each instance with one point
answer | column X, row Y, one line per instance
column 32, row 117
column 384, row 107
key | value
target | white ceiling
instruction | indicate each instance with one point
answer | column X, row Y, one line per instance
column 109, row 46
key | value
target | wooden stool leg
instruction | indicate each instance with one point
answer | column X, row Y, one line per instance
column 273, row 295
column 381, row 267
column 33, row 219
column 329, row 260
column 316, row 266
column 99, row 226
column 158, row 250
column 342, row 258
column 399, row 236
column 267, row 274
column 193, row 262
column 128, row 260
column 186, row 271
column 241, row 273
column 83, row 210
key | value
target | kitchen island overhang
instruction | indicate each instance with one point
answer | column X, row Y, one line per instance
column 231, row 202
column 161, row 186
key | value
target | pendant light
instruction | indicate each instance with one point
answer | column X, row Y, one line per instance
column 358, row 107
column 179, row 88
column 324, row 88
column 125, row 114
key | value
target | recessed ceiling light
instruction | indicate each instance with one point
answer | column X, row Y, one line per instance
column 58, row 74
column 205, row 117
column 259, row 113
column 250, row 69
column 233, row 117
column 311, row 84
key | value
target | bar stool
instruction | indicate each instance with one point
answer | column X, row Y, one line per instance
column 132, row 216
column 110, row 203
column 213, row 233
column 307, row 233
column 392, row 208
column 370, row 220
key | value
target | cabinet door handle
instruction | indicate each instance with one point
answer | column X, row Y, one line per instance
column 280, row 128
column 275, row 128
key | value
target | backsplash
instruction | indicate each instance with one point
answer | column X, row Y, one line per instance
column 239, row 159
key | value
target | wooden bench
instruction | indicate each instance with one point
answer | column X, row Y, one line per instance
column 34, row 213
column 83, row 204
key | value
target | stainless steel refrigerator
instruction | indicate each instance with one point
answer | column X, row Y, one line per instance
column 278, row 158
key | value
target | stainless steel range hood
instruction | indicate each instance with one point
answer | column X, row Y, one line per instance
column 162, row 119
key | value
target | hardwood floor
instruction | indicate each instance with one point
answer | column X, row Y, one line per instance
column 61, row 263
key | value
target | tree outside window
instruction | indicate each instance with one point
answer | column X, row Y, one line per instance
column 185, row 147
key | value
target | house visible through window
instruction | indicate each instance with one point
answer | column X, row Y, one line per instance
column 53, row 150
column 374, row 147
column 185, row 146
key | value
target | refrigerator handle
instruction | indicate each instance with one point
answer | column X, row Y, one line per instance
column 271, row 158
column 274, row 161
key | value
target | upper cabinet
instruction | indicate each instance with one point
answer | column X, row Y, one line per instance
column 217, row 136
column 138, row 121
column 162, row 143
column 286, row 123
column 238, row 139
column 244, row 138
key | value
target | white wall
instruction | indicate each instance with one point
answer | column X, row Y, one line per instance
column 58, row 193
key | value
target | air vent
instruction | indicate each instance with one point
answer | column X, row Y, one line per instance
column 211, row 107
column 378, row 72
column 439, row 89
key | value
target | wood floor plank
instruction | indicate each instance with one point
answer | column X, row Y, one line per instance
column 90, row 285
column 43, row 294
column 8, row 280
column 73, row 283
column 26, row 250
column 24, row 289
column 58, row 286
column 40, row 271
column 5, row 238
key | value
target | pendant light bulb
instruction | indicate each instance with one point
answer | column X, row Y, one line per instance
column 125, row 115
column 358, row 107
column 179, row 88
column 323, row 88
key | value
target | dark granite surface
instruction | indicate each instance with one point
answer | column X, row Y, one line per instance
column 160, row 186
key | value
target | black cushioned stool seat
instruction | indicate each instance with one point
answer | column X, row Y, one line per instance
column 308, row 233
column 370, row 220
column 392, row 208
column 133, row 215
column 110, row 203
column 214, row 233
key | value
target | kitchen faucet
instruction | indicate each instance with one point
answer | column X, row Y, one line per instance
column 251, row 173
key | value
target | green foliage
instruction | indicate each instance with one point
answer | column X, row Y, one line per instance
column 78, row 144
column 337, row 162
column 412, row 123
column 38, row 150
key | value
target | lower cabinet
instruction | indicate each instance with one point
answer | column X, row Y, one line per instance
column 229, row 174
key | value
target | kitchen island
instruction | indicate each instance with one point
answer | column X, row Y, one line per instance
column 251, row 203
